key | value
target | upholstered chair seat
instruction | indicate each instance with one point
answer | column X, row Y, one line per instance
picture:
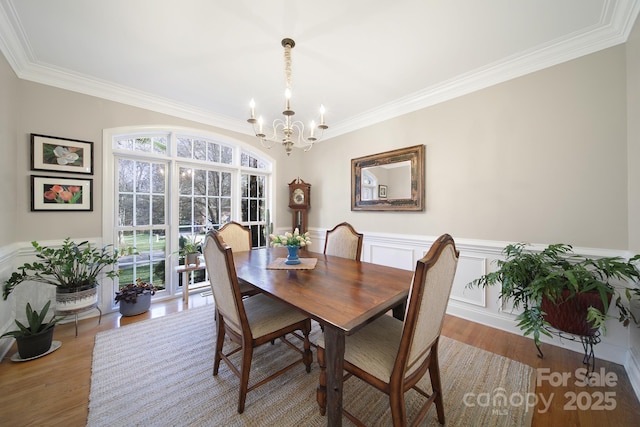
column 266, row 315
column 374, row 348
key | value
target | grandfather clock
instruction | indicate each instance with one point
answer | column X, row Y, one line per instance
column 299, row 202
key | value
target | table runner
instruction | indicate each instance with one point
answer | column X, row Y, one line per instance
column 305, row 264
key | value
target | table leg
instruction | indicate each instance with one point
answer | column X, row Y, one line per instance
column 398, row 311
column 334, row 355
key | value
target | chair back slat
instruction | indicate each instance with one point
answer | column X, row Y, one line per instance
column 428, row 298
column 237, row 236
column 223, row 279
column 343, row 241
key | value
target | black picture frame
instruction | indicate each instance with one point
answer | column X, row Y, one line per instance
column 55, row 154
column 54, row 193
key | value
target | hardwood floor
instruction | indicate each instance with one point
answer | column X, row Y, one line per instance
column 54, row 390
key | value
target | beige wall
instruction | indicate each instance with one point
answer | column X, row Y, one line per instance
column 633, row 112
column 541, row 159
column 633, row 126
column 9, row 106
column 51, row 111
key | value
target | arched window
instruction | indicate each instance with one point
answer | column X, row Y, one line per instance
column 164, row 185
column 369, row 186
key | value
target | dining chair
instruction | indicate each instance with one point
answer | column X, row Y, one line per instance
column 238, row 237
column 248, row 322
column 343, row 241
column 392, row 355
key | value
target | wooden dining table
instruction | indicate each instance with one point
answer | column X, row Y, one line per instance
column 341, row 294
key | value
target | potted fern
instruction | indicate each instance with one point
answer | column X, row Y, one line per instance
column 34, row 338
column 556, row 288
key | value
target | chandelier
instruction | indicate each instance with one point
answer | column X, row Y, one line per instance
column 286, row 131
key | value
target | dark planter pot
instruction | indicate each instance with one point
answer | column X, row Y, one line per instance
column 570, row 315
column 140, row 306
column 35, row 345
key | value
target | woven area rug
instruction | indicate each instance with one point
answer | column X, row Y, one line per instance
column 158, row 372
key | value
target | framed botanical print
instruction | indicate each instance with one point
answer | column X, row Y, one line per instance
column 50, row 153
column 52, row 193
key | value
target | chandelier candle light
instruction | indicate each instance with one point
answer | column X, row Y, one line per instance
column 289, row 132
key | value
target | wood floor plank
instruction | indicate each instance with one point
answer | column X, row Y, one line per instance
column 54, row 390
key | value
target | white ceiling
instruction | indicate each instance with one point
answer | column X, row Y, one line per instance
column 365, row 60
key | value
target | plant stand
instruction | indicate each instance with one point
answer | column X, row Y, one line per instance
column 588, row 341
column 75, row 312
column 186, row 271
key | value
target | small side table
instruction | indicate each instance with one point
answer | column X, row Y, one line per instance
column 185, row 270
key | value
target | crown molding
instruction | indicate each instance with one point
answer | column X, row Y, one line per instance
column 614, row 28
column 615, row 25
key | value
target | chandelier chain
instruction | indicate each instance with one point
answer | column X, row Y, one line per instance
column 287, row 66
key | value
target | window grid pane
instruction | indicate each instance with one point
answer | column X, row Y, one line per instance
column 205, row 199
column 253, row 202
column 141, row 222
column 204, row 149
column 148, row 144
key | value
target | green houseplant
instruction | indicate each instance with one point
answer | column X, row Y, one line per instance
column 555, row 279
column 71, row 268
column 135, row 298
column 36, row 336
column 189, row 249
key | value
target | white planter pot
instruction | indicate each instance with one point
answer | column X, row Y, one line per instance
column 71, row 302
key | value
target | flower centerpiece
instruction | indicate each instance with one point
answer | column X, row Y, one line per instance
column 135, row 298
column 293, row 241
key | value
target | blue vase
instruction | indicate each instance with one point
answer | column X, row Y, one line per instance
column 292, row 259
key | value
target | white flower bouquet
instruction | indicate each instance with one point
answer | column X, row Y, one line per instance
column 291, row 239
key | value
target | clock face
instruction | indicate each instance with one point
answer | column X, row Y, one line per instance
column 298, row 196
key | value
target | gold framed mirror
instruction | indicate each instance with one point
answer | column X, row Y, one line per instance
column 389, row 181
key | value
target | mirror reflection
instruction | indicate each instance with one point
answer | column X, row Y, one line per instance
column 390, row 181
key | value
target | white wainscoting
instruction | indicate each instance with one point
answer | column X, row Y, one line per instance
column 37, row 294
column 484, row 306
column 8, row 307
